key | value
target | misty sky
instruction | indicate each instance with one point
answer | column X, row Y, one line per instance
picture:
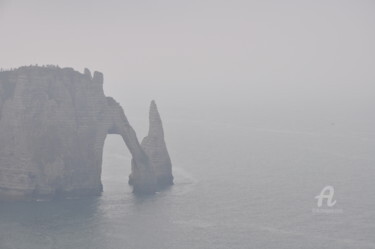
column 216, row 52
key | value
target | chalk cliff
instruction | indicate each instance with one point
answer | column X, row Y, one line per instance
column 53, row 123
column 156, row 149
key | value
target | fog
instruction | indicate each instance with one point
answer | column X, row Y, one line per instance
column 221, row 59
column 264, row 103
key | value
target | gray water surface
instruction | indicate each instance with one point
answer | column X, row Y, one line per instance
column 236, row 186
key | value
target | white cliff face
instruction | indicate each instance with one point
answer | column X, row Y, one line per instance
column 53, row 123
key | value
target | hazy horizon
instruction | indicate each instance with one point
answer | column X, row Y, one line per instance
column 217, row 53
column 264, row 105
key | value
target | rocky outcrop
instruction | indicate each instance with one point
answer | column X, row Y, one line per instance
column 53, row 123
column 144, row 177
column 156, row 149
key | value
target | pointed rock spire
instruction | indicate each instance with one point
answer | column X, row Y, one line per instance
column 156, row 149
column 155, row 124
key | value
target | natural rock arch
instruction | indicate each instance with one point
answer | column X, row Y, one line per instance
column 53, row 123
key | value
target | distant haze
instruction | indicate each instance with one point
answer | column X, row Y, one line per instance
column 255, row 55
column 263, row 104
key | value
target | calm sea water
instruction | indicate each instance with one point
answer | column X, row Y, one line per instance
column 236, row 186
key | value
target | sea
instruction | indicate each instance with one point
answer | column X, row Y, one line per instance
column 238, row 184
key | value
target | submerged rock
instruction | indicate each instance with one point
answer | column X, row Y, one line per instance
column 53, row 123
